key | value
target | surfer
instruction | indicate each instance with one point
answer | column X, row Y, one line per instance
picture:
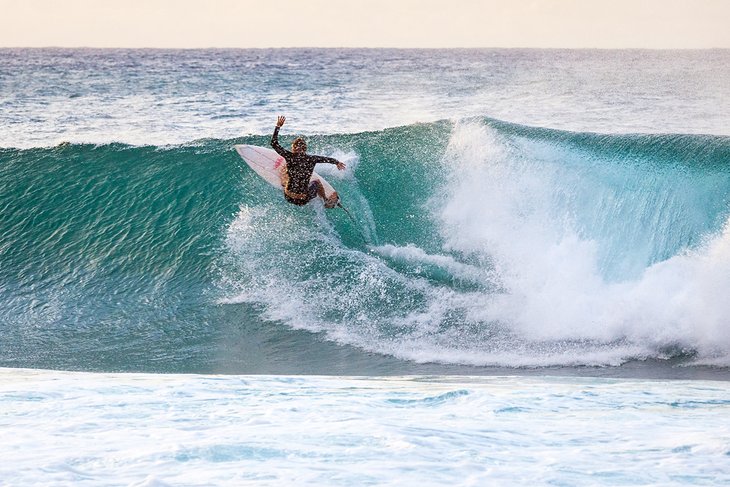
column 298, row 189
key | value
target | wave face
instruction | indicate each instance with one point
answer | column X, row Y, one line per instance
column 477, row 243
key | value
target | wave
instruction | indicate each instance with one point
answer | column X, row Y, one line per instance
column 478, row 242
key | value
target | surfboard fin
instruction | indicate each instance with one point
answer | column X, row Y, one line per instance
column 354, row 222
column 339, row 205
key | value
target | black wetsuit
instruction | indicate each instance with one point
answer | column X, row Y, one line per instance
column 299, row 168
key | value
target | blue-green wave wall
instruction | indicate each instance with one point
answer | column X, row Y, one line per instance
column 118, row 257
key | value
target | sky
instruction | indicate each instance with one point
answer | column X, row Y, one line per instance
column 659, row 24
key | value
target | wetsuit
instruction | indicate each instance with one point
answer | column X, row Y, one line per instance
column 299, row 168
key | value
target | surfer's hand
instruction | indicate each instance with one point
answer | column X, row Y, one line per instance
column 280, row 121
column 341, row 166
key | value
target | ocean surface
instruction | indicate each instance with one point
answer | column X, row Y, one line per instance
column 159, row 430
column 540, row 245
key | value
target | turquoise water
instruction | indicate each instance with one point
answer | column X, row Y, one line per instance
column 478, row 243
column 519, row 215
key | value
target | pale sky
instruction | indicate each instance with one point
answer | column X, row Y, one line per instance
column 366, row 23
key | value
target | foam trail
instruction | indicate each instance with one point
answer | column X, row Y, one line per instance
column 416, row 256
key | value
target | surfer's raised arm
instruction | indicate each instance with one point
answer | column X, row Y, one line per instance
column 275, row 138
column 299, row 147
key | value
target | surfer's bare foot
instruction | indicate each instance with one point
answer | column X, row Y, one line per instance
column 332, row 201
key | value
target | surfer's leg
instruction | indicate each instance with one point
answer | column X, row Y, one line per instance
column 332, row 201
column 317, row 189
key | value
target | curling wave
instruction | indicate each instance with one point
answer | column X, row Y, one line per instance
column 480, row 242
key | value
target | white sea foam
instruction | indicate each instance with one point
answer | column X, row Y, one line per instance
column 357, row 299
column 413, row 255
column 62, row 428
column 500, row 206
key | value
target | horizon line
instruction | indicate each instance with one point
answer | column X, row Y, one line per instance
column 551, row 48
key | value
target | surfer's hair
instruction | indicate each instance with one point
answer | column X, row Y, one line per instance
column 299, row 145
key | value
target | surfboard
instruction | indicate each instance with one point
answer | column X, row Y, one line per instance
column 271, row 167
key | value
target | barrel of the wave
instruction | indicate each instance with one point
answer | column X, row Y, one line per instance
column 272, row 168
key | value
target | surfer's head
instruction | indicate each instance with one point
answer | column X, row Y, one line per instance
column 299, row 146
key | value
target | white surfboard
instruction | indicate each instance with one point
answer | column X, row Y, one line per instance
column 271, row 166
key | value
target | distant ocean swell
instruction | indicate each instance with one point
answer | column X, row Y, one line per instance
column 479, row 242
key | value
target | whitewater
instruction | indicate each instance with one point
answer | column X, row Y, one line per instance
column 160, row 430
column 533, row 289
